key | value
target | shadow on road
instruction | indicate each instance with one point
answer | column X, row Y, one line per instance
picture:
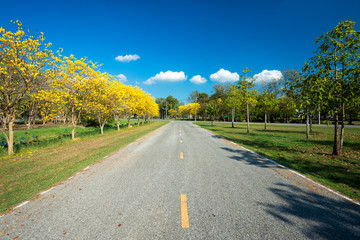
column 327, row 218
column 251, row 158
column 216, row 136
column 335, row 173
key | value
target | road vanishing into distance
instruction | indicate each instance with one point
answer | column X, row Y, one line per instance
column 183, row 182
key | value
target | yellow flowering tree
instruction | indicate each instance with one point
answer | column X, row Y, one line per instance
column 151, row 108
column 25, row 64
column 118, row 99
column 72, row 85
column 183, row 110
column 192, row 107
column 173, row 113
column 131, row 100
column 101, row 102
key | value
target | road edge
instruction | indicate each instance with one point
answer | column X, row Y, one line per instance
column 341, row 195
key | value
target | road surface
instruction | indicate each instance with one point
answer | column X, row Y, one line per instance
column 183, row 182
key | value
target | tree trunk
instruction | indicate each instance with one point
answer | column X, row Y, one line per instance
column 11, row 137
column 73, row 121
column 28, row 124
column 118, row 124
column 212, row 120
column 129, row 125
column 31, row 115
column 138, row 122
column 311, row 124
column 232, row 117
column 143, row 121
column 102, row 126
column 265, row 118
column 195, row 112
column 307, row 125
column 247, row 118
column 319, row 116
column 336, row 150
column 342, row 131
column 73, row 132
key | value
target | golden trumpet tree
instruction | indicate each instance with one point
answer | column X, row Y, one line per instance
column 118, row 99
column 173, row 113
column 192, row 107
column 183, row 110
column 25, row 64
column 72, row 85
column 101, row 103
column 188, row 109
column 133, row 95
column 149, row 108
column 154, row 110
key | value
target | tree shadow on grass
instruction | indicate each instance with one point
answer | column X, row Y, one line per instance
column 323, row 216
column 280, row 131
column 236, row 127
column 330, row 143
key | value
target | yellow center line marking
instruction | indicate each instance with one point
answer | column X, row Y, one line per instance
column 181, row 155
column 184, row 212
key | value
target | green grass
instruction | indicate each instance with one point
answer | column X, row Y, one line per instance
column 48, row 137
column 288, row 145
column 24, row 175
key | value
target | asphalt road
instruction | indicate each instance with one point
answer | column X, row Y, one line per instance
column 183, row 182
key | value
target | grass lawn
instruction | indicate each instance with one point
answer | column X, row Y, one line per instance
column 23, row 175
column 288, row 145
column 56, row 135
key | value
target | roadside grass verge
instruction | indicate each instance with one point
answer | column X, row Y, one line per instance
column 56, row 135
column 312, row 157
column 24, row 175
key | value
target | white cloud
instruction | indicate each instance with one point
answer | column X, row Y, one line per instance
column 267, row 76
column 168, row 76
column 197, row 79
column 223, row 76
column 121, row 77
column 127, row 58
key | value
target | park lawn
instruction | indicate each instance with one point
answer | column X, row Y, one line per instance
column 23, row 176
column 45, row 137
column 312, row 157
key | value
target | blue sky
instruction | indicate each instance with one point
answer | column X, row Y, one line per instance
column 193, row 37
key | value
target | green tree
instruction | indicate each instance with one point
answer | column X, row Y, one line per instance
column 193, row 98
column 220, row 92
column 161, row 102
column 233, row 100
column 266, row 101
column 248, row 94
column 212, row 110
column 335, row 71
column 173, row 103
column 203, row 101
